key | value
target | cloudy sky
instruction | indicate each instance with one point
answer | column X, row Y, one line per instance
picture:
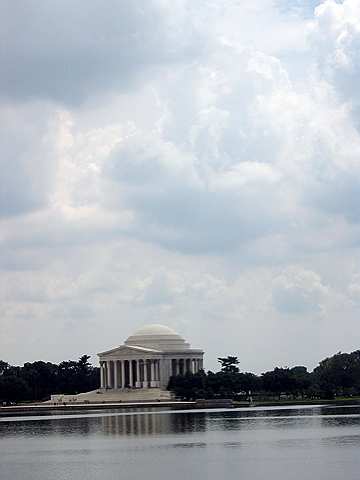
column 195, row 164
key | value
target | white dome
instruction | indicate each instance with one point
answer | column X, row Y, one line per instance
column 158, row 337
column 154, row 329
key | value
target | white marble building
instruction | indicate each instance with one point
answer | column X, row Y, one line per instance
column 147, row 359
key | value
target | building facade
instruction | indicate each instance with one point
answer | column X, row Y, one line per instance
column 148, row 359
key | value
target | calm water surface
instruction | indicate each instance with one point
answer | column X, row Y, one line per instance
column 272, row 443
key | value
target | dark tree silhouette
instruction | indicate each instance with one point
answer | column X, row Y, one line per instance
column 38, row 380
column 229, row 364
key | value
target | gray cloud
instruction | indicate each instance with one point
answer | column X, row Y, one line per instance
column 208, row 180
column 298, row 291
column 70, row 51
column 163, row 162
column 28, row 158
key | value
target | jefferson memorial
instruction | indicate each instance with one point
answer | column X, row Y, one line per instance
column 147, row 359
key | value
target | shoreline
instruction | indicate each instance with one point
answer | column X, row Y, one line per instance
column 36, row 408
column 175, row 405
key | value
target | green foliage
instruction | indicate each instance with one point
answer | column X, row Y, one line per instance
column 338, row 375
column 294, row 381
column 38, row 380
column 335, row 376
column 211, row 385
column 3, row 367
column 189, row 386
column 229, row 364
column 13, row 388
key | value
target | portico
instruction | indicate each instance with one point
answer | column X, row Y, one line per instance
column 148, row 359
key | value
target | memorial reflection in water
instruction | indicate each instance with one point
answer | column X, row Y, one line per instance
column 152, row 424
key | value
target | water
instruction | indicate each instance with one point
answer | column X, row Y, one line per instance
column 272, row 443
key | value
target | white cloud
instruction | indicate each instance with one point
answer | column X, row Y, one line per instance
column 354, row 290
column 168, row 166
column 335, row 33
column 298, row 291
column 70, row 52
column 193, row 182
column 28, row 157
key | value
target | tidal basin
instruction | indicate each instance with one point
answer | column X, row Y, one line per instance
column 292, row 443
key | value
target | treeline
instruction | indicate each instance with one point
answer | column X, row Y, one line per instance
column 337, row 376
column 38, row 380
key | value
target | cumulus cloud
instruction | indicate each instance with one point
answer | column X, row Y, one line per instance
column 157, row 290
column 298, row 291
column 335, row 32
column 194, row 181
column 164, row 161
column 28, row 157
column 238, row 156
column 69, row 52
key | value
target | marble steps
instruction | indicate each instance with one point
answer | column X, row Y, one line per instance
column 128, row 395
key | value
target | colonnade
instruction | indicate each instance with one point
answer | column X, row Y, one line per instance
column 142, row 373
column 180, row 366
column 130, row 373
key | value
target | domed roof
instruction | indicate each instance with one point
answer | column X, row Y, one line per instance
column 154, row 329
column 158, row 337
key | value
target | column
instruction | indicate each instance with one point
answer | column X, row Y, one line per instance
column 152, row 371
column 192, row 365
column 152, row 374
column 166, row 371
column 122, row 373
column 145, row 384
column 102, row 375
column 108, row 371
column 116, row 375
column 138, row 382
column 130, row 374
column 158, row 372
column 177, row 363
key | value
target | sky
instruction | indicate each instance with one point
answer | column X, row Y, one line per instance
column 194, row 164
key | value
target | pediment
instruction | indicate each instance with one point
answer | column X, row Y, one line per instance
column 128, row 350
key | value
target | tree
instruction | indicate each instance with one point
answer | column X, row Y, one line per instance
column 38, row 380
column 229, row 364
column 279, row 380
column 189, row 386
column 4, row 367
column 13, row 389
column 249, row 382
column 76, row 377
column 302, row 379
column 41, row 378
column 338, row 375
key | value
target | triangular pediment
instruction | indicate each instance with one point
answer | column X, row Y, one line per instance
column 128, row 350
